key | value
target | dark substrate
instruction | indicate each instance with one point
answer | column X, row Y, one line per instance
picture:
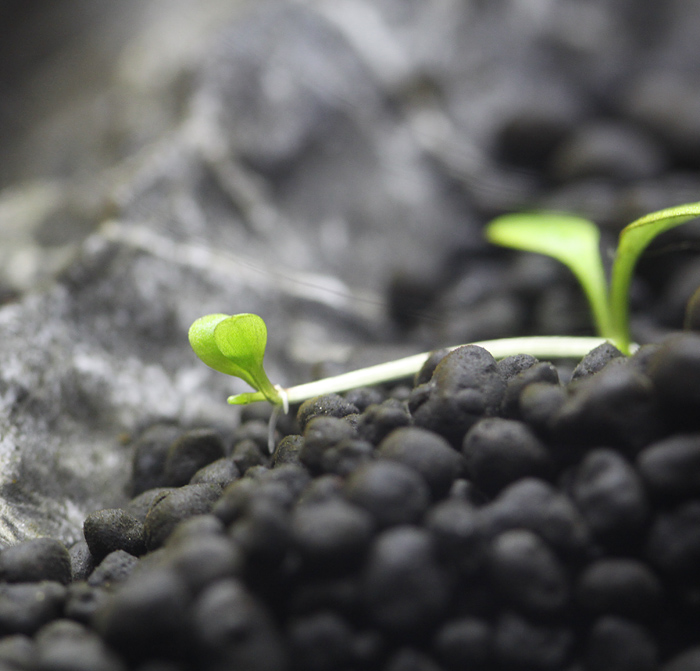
column 491, row 517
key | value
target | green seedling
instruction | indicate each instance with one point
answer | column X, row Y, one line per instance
column 204, row 341
column 576, row 243
column 235, row 344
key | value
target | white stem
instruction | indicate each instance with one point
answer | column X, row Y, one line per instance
column 555, row 347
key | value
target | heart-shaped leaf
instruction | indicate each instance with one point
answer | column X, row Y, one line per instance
column 203, row 342
column 235, row 345
column 242, row 340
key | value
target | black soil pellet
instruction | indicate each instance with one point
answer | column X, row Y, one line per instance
column 595, row 361
column 428, row 368
column 404, row 590
column 234, row 630
column 673, row 542
column 391, row 492
column 81, row 560
column 538, row 373
column 459, row 534
column 527, row 573
column 331, row 535
column 429, row 454
column 539, row 404
column 410, row 659
column 688, row 660
column 83, row 601
column 149, row 456
column 247, row 453
column 619, row 586
column 512, row 366
column 466, row 386
column 499, row 451
column 26, row 607
column 263, row 532
column 149, row 616
column 617, row 407
column 236, row 497
column 202, row 559
column 113, row 529
column 612, row 498
column 174, row 506
column 346, row 456
column 288, row 450
column 320, row 641
column 363, row 397
column 139, row 506
column 256, row 430
column 36, row 560
column 114, row 569
column 674, row 369
column 18, row 651
column 620, row 644
column 522, row 643
column 465, row 643
column 537, row 506
column 330, row 405
column 320, row 434
column 221, row 472
column 377, row 421
column 189, row 452
column 64, row 644
column 670, row 467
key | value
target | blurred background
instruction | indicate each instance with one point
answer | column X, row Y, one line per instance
column 351, row 151
column 349, row 119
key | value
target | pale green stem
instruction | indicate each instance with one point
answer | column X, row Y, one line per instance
column 554, row 347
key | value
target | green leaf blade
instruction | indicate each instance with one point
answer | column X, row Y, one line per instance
column 242, row 340
column 235, row 345
column 634, row 239
column 574, row 241
column 203, row 342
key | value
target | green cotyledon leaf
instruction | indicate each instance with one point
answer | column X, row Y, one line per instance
column 634, row 239
column 570, row 239
column 242, row 340
column 203, row 342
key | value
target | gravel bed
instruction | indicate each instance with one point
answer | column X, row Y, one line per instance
column 519, row 515
column 493, row 516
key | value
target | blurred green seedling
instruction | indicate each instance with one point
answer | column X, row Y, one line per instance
column 576, row 242
column 235, row 344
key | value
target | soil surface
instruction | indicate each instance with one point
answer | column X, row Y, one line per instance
column 513, row 515
column 491, row 516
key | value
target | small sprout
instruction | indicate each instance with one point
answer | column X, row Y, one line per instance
column 235, row 345
column 238, row 358
column 575, row 242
